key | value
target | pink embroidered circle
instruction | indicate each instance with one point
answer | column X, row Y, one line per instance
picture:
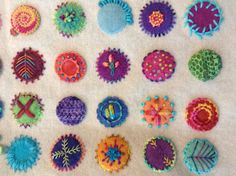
column 158, row 65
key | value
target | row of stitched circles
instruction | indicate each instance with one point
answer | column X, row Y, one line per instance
column 201, row 113
column 157, row 18
column 113, row 65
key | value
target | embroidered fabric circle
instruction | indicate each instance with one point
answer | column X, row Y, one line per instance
column 114, row 16
column 69, row 19
column 112, row 112
column 160, row 154
column 1, row 109
column 157, row 18
column 25, row 20
column 158, row 111
column 205, row 65
column 70, row 66
column 112, row 65
column 200, row 156
column 27, row 109
column 158, row 66
column 23, row 153
column 71, row 110
column 203, row 18
column 113, row 153
column 67, row 153
column 28, row 65
column 202, row 114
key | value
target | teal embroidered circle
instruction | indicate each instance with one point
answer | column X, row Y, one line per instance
column 23, row 153
column 200, row 156
column 205, row 65
column 69, row 19
column 114, row 15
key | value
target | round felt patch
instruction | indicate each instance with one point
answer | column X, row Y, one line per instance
column 28, row 65
column 70, row 66
column 71, row 110
column 157, row 18
column 1, row 109
column 158, row 65
column 160, row 154
column 113, row 153
column 27, row 109
column 69, row 19
column 67, row 153
column 25, row 20
column 23, row 153
column 112, row 112
column 202, row 114
column 112, row 65
column 158, row 111
column 205, row 65
column 200, row 156
column 203, row 18
column 113, row 16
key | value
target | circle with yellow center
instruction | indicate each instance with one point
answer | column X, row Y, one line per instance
column 113, row 153
column 156, row 18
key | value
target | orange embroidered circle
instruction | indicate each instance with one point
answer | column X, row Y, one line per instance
column 156, row 18
column 158, row 111
column 113, row 153
column 24, row 20
column 70, row 66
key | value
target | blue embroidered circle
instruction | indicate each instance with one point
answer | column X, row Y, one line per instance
column 113, row 16
column 67, row 152
column 23, row 153
column 112, row 112
column 1, row 109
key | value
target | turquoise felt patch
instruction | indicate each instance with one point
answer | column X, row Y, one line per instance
column 113, row 16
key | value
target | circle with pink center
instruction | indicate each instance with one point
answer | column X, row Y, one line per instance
column 158, row 65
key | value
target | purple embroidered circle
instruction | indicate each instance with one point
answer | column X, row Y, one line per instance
column 160, row 154
column 157, row 18
column 71, row 110
column 112, row 65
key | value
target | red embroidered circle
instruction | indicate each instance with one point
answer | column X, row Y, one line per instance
column 70, row 66
column 202, row 114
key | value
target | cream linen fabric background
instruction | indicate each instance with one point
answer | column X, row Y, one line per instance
column 181, row 88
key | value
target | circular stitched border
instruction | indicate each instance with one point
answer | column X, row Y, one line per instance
column 25, row 20
column 113, row 153
column 70, row 66
column 112, row 112
column 202, row 114
column 200, row 156
column 160, row 154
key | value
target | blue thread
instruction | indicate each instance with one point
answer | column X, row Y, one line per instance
column 23, row 153
column 113, row 16
column 113, row 153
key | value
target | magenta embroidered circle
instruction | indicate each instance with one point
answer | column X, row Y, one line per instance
column 203, row 17
column 112, row 65
column 71, row 110
column 158, row 65
column 157, row 18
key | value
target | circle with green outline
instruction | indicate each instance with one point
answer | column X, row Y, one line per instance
column 205, row 65
column 27, row 109
column 69, row 19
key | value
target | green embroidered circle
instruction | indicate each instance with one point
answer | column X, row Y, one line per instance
column 27, row 109
column 205, row 65
column 69, row 18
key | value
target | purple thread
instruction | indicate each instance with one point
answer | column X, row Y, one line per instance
column 154, row 155
column 71, row 110
column 119, row 72
column 165, row 27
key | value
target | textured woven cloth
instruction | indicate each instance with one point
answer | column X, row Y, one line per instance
column 181, row 88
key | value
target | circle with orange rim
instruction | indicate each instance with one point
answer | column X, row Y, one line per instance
column 113, row 153
column 70, row 67
column 202, row 114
